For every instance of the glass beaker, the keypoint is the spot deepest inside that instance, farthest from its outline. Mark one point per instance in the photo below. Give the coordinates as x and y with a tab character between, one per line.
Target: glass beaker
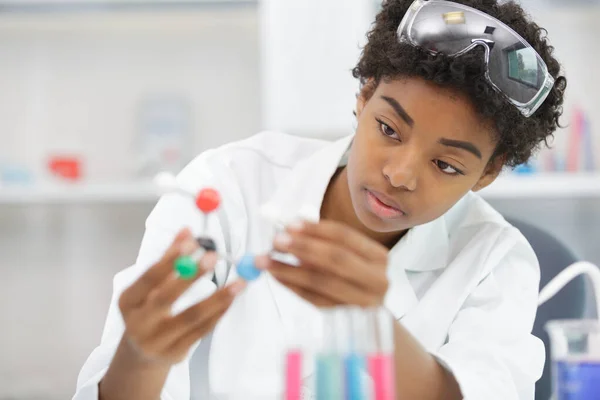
575	349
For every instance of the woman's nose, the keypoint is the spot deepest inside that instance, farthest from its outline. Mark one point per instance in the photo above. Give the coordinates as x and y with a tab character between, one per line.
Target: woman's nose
402	172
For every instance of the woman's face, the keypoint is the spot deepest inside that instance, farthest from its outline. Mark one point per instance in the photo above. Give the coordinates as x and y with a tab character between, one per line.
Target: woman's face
417	150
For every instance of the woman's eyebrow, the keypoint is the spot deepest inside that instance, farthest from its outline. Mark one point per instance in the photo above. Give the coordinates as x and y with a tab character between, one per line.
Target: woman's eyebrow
399	110
459	144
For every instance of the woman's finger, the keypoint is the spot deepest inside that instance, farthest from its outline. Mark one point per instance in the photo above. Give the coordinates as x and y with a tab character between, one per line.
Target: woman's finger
198	314
136	294
332	258
184	343
322	284
173	329
173	345
313	298
157	308
344	236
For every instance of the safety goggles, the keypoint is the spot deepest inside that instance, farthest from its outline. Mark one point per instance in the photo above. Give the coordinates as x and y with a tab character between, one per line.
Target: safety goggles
514	68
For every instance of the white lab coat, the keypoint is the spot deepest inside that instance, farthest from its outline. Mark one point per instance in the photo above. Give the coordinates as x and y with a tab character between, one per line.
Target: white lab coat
465	285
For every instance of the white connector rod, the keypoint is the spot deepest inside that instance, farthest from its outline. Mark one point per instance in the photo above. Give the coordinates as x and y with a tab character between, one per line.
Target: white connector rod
166	182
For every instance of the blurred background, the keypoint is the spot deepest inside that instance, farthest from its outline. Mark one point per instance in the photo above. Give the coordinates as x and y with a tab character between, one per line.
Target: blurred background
97	96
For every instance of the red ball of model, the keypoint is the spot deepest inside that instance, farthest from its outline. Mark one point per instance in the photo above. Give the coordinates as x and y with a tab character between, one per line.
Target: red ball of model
208	200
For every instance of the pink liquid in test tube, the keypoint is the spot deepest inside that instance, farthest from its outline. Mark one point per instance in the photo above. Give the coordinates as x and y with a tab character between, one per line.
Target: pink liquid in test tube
293	375
381	357
381	369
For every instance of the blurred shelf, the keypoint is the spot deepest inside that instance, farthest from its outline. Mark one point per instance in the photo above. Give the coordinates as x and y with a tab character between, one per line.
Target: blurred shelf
75	6
563	186
134	192
105	18
550	185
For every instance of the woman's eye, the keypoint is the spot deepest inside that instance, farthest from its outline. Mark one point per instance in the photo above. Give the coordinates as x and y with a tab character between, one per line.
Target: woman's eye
386	130
447	168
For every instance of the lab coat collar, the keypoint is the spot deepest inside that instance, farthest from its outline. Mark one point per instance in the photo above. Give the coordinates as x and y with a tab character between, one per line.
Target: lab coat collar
423	248
301	194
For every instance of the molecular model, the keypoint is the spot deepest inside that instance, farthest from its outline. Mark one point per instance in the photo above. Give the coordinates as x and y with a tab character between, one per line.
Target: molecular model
207	200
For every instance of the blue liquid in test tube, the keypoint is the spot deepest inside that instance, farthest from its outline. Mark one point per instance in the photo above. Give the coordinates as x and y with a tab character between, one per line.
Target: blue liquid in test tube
577	380
355	361
355	367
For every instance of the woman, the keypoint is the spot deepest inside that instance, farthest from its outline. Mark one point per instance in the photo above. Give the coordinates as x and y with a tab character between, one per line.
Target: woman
449	96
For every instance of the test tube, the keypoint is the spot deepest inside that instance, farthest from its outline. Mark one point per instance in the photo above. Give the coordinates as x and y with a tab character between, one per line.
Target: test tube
355	364
293	374
381	360
329	360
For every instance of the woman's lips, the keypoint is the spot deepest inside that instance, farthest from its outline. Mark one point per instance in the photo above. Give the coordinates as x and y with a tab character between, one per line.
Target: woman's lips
382	206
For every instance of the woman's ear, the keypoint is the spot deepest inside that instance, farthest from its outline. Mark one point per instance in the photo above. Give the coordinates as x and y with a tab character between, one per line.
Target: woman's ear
492	171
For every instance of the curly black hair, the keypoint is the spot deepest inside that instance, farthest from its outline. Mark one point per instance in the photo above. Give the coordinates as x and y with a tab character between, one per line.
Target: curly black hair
385	57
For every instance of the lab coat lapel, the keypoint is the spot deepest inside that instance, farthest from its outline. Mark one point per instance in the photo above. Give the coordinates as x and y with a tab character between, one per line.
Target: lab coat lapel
400	297
423	248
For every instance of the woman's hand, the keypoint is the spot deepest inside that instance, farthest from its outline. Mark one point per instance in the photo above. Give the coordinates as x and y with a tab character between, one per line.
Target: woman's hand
338	265
154	338
150	328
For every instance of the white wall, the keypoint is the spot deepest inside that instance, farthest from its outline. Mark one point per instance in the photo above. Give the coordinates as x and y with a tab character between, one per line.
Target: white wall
57	265
75	81
309	48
